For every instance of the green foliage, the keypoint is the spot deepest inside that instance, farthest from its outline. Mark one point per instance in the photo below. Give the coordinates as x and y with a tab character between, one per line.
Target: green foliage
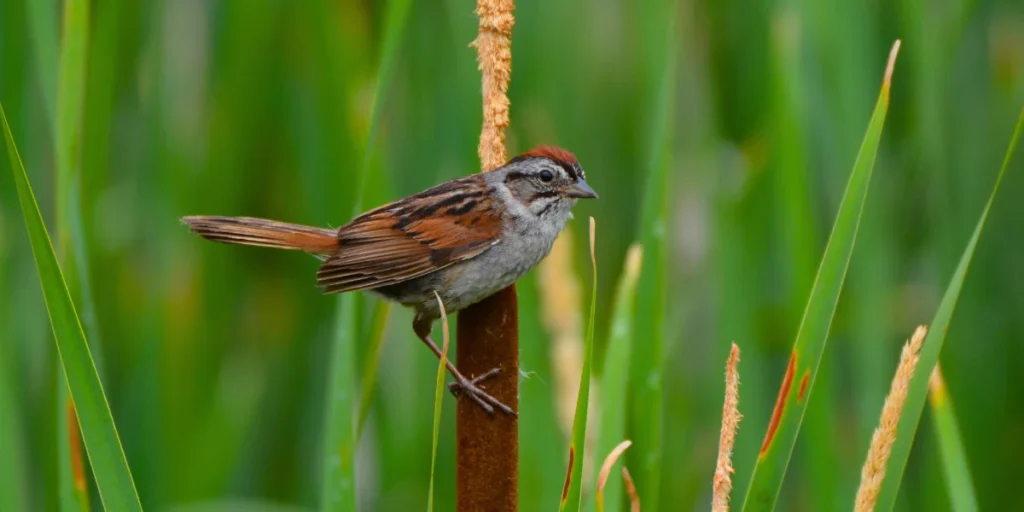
43	20
572	494
110	469
615	373
344	418
439	387
371	361
798	382
951	446
13	490
918	390
339	473
730	147
74	492
646	374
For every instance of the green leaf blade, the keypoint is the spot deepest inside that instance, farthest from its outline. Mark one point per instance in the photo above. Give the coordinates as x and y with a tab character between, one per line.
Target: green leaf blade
572	492
371	362
646	374
74	492
42	17
918	391
110	468
13	488
339	489
798	382
951	446
344	411
615	377
439	386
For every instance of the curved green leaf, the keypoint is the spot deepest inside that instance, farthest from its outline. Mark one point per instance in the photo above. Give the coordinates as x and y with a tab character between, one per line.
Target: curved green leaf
951	446
74	491
572	491
647	361
438	399
110	468
615	377
918	391
798	381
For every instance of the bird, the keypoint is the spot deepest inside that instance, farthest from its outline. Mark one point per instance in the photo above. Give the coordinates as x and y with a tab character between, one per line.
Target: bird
463	240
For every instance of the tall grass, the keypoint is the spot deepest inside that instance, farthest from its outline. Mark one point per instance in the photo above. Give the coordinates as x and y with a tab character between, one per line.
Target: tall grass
951	444
343	410
647	360
799	380
215	360
13	488
572	492
110	469
615	372
74	491
439	388
918	390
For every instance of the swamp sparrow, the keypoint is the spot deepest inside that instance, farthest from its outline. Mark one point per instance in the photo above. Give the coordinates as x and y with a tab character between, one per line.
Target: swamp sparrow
464	239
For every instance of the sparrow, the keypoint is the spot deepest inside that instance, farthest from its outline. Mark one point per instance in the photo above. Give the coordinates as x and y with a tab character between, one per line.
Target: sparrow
464	240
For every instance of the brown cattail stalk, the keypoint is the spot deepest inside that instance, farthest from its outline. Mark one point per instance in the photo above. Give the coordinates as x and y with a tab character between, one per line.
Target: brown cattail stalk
487	457
873	473
731	417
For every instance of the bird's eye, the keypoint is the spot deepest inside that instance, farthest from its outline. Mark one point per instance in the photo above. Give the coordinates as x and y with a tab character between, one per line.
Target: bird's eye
546	176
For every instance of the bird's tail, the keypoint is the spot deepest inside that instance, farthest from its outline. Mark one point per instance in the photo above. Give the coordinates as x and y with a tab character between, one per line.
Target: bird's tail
264	233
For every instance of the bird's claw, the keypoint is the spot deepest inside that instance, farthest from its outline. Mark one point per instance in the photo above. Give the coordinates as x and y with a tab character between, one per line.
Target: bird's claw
470	388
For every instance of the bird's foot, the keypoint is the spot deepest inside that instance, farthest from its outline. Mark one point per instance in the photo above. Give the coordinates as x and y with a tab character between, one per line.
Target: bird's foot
470	388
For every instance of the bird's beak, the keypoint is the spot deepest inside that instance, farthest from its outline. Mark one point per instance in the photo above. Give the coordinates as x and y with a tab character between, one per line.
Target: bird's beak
580	190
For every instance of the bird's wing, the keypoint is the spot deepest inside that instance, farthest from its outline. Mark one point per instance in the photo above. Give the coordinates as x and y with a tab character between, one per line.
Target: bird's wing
414	236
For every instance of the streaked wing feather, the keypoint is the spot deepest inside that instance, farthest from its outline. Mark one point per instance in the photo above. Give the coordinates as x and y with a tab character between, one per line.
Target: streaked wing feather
412	237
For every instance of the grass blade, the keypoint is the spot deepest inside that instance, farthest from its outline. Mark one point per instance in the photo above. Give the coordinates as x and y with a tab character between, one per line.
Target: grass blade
43	22
74	492
110	468
371	362
647	361
813	333
13	488
606	468
338	492
439	386
951	446
933	345
571	492
615	378
75	483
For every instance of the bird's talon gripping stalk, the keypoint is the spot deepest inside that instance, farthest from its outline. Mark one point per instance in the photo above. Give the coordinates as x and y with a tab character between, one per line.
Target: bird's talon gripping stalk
462	384
481	397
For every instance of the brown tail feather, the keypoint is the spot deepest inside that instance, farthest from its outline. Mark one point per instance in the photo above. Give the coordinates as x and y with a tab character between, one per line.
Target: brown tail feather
264	233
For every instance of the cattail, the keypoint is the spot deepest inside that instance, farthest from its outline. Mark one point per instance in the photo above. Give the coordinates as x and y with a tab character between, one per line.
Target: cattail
873	473
722	484
487	454
494	55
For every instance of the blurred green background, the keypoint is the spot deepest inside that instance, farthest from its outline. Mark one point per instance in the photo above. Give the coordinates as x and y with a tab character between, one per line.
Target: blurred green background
214	357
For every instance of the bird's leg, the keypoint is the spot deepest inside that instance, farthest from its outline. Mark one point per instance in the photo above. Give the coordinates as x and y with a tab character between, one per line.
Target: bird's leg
462	384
